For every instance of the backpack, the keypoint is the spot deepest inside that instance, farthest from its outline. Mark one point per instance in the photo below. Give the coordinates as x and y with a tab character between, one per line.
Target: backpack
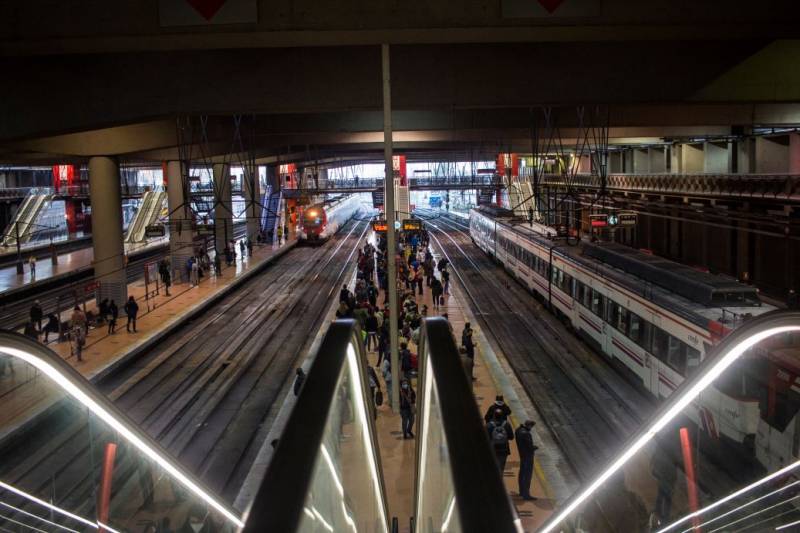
499	437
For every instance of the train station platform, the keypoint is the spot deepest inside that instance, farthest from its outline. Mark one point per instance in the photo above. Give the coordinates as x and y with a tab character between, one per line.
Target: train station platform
398	455
158	316
67	263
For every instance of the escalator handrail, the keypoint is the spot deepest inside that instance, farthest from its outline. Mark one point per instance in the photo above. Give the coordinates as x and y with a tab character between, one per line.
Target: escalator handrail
482	501
278	504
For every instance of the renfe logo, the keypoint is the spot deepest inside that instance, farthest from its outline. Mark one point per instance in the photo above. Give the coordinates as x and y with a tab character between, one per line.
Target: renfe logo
205	12
207	8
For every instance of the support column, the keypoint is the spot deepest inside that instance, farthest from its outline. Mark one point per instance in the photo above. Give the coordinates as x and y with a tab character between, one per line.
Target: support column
109	250
391	247
746	156
223	208
641	161
181	234
252	198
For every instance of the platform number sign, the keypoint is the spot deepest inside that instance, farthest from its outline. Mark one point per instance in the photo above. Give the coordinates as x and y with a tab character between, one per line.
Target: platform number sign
599	221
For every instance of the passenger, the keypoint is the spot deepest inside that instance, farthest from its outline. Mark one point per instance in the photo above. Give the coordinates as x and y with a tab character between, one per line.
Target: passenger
37	314
442	264
408	400
51	327
31	331
344	294
103	310
446	281
467	341
32	265
500	433
386	372
343	311
78	319
436	291
374	390
418	275
300	378
195	272
405	360
526	451
499	404
371	327
243	248
113	313
131	309
250	247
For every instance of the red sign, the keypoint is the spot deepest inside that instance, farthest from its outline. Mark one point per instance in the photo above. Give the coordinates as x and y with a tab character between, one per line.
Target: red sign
92	286
598	221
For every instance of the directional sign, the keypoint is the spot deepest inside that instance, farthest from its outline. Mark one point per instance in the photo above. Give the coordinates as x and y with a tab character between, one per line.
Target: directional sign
599	221
379	226
412	224
377	198
627	218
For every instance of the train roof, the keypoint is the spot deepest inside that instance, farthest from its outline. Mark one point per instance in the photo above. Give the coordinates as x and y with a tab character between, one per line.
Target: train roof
670	285
695	285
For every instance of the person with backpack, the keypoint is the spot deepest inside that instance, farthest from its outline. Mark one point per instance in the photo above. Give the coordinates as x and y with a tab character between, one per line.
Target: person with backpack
499	403
37	314
131	309
526	448
500	434
408	400
436	291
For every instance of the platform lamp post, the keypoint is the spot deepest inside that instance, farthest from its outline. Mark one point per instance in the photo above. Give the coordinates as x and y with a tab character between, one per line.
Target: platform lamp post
389	207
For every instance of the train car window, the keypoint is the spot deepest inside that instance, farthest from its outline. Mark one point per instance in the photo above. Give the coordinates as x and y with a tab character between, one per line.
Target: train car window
676	355
598	303
636	329
622	324
580	290
692	360
613	313
587	298
660	343
566	284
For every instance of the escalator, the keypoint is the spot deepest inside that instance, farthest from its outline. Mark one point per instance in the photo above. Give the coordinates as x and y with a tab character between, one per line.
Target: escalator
148	214
24	222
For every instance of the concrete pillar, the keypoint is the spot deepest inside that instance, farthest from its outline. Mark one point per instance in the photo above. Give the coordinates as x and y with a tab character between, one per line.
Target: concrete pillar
715	160
794	153
641	161
676	159
252	198
615	162
627	161
181	219
223	208
746	156
109	250
773	154
657	160
692	158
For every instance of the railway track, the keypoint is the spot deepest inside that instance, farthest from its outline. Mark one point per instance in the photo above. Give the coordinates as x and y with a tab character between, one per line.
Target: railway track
589	406
205	393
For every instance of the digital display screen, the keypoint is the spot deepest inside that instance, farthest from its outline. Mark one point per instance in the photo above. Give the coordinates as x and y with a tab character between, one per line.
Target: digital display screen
379	226
412	225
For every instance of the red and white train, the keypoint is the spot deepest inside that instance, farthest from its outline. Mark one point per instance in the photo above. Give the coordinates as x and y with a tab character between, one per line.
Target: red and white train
659	319
321	220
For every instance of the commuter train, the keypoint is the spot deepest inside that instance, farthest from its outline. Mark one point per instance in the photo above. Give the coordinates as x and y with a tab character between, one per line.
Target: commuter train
659	319
321	220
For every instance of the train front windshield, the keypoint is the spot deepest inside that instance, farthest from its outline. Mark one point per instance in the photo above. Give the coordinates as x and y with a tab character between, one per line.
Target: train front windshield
313	218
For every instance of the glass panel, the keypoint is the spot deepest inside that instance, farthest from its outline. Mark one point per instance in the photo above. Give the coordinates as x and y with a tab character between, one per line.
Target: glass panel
436	502
722	456
345	493
71	462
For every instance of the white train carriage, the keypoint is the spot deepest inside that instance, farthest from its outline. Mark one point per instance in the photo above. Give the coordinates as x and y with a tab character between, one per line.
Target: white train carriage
656	317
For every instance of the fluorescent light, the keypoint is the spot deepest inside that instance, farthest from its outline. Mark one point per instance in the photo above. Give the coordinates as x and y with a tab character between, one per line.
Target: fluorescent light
784	526
128	433
764	510
686	398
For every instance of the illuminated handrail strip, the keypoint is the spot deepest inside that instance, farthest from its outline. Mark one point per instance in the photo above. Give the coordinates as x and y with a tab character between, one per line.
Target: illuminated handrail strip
731	348
76	386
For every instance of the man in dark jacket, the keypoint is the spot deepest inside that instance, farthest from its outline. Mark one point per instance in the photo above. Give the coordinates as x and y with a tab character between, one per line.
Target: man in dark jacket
526	451
36	315
344	294
500	433
131	309
499	403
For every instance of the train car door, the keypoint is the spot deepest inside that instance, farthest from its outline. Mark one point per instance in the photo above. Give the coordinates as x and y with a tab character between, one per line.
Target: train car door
652	365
